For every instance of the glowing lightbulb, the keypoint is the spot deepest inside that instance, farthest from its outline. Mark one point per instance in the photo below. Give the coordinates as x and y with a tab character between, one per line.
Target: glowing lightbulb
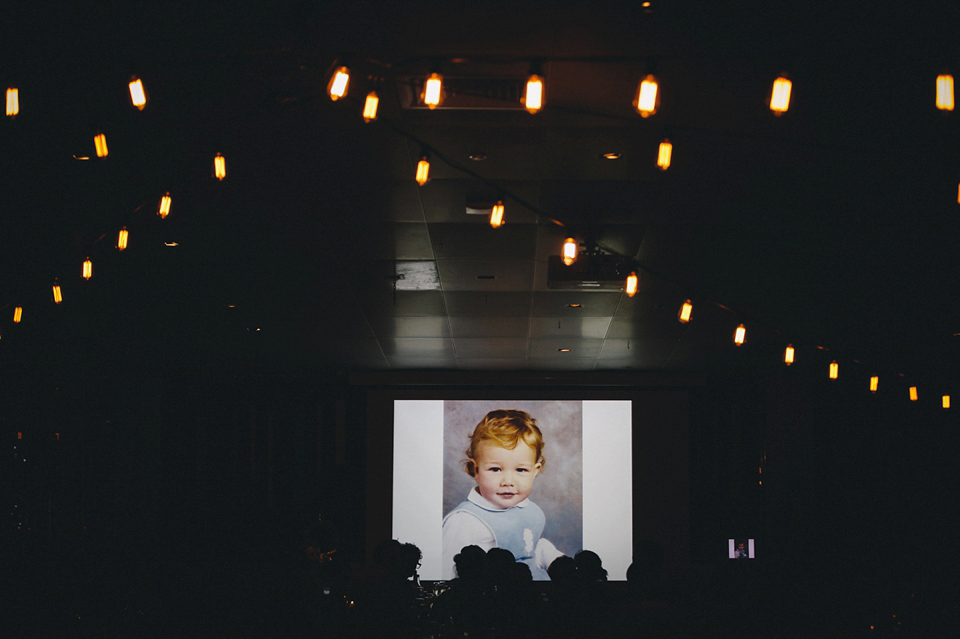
423	171
496	215
163	210
631	288
87	269
100	142
219	167
780	95
648	97
686	312
138	96
569	251
788	354
945	92
740	335
834	370
664	153
337	87
370	105
13	101
433	90
533	94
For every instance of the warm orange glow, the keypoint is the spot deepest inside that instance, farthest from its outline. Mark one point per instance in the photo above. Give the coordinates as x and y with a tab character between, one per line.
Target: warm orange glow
433	90
100	142
19	434
740	335
945	92
163	210
370	106
423	171
631	288
122	238
57	295
834	370
945	401
788	354
780	96
648	97
337	87
533	94
914	394
219	167
663	155
87	269
496	215
686	312
874	384
13	101
569	251
17	314
137	95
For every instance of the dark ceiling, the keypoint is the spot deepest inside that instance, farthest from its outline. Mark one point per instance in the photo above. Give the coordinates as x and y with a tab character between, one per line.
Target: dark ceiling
833	226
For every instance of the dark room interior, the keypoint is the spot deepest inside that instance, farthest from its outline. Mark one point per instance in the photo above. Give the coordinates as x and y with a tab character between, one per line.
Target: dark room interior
187	415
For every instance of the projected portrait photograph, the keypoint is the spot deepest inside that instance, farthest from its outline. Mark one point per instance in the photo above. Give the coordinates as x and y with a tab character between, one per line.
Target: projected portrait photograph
513	479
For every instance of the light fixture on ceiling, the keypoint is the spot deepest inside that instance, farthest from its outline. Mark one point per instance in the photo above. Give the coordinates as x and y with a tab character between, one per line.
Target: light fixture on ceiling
423	170
914	394
138	96
834	370
57	294
740	335
496	215
780	95
100	143
337	87
17	314
788	354
574	305
631	287
432	94
219	167
569	252
945	401
648	96
163	209
122	237
87	269
563	350
664	154
686	312
370	105
874	383
945	92
13	101
533	91
611	155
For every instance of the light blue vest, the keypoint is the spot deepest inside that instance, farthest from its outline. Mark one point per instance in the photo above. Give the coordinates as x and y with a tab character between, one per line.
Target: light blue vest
515	529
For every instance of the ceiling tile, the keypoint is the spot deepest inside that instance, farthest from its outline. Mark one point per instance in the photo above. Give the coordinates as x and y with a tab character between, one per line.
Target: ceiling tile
550	348
401	303
497	347
556	303
486	275
488	303
390	327
417	347
490	326
511	242
576	327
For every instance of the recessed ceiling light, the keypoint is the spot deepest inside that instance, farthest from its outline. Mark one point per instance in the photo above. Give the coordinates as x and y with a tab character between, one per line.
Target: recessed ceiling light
564	350
611	155
171	244
477	157
575	305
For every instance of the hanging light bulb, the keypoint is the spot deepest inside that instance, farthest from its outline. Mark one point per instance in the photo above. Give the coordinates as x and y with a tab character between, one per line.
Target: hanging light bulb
13	101
686	312
370	105
423	171
496	215
433	91
17	314
780	95
664	153
648	97
945	92
569	251
631	288
87	269
945	401
874	384
834	370
163	209
740	335
533	94
914	394
122	238
100	142
138	97
337	87
219	167
57	295
788	354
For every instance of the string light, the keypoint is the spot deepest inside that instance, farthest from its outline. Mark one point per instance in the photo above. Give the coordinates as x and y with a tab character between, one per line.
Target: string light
57	295
496	215
788	354
945	92
370	105
17	314
569	251
87	269
914	394
337	87
874	384
648	97
433	90
138	97
163	209
13	101
219	167
834	370
945	401
740	335
533	94
663	154
780	95
686	312
423	171
122	238
631	288
100	142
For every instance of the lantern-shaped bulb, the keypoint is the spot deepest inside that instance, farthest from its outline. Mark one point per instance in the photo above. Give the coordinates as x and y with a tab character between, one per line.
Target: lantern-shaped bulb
122	238
780	95
57	294
664	154
100	143
370	105
219	167
13	101
569	251
496	215
631	287
914	394
163	209
433	90
945	92
788	354
87	269
686	312
648	97
423	171
17	314
740	335
874	383
834	370
533	94
337	87
945	401
138	96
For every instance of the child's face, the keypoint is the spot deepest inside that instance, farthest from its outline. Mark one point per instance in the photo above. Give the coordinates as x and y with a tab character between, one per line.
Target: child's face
505	475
